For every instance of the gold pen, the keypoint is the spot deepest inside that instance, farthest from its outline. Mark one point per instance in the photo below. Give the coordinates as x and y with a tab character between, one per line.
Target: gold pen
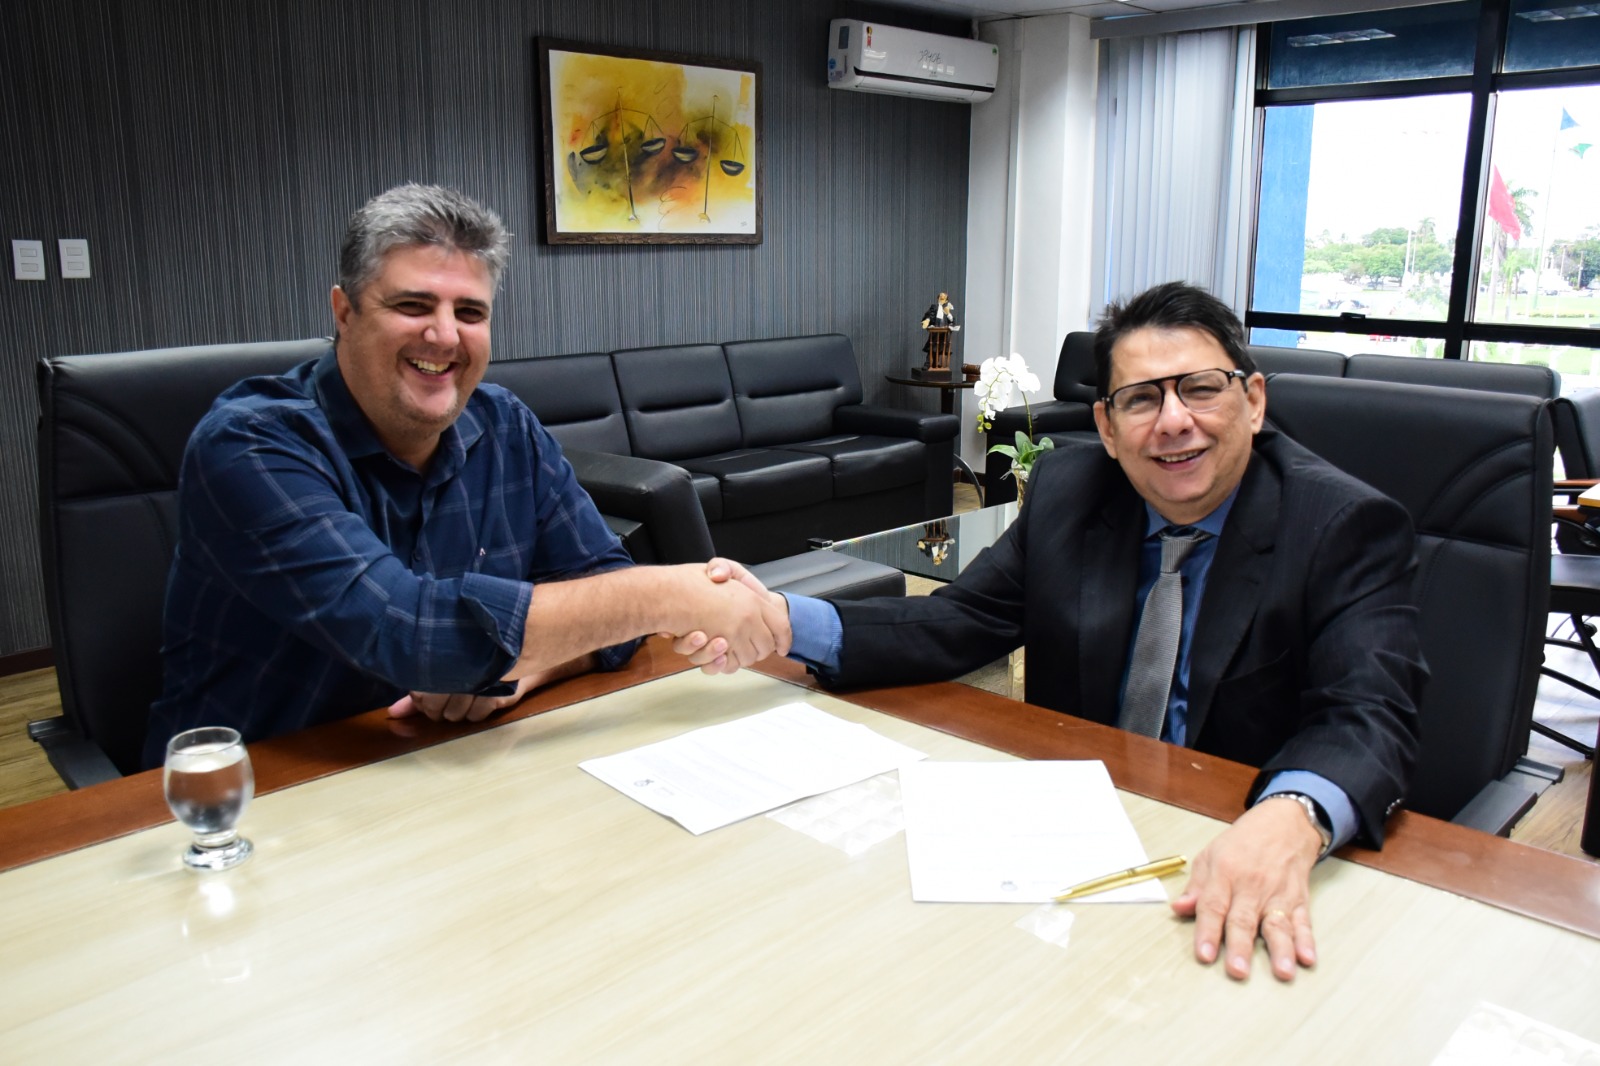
1132	875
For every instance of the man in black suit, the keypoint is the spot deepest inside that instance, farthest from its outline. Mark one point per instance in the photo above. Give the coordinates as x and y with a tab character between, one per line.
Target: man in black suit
1298	648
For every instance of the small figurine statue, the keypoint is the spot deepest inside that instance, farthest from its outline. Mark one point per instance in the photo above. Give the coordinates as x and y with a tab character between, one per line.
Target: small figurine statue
940	313
935	541
939	320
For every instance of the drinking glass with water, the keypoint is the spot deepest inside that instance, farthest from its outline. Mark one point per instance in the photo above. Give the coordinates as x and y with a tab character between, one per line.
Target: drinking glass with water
209	782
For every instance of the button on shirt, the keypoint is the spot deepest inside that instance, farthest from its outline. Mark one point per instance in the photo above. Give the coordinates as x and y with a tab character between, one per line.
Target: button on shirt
316	576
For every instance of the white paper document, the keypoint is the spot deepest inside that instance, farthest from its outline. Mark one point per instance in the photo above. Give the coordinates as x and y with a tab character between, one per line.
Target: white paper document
712	777
1017	832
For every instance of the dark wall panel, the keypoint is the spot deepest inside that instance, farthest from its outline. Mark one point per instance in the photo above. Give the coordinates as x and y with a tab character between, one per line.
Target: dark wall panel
211	152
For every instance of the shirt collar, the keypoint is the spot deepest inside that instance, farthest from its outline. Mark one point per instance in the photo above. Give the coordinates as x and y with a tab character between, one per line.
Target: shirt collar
354	433
1211	523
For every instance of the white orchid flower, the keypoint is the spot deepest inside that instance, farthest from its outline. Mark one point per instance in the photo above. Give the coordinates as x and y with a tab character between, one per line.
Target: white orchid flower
994	387
997	377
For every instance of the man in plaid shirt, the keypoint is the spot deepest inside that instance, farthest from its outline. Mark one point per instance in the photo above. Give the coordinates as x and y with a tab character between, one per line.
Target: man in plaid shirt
376	527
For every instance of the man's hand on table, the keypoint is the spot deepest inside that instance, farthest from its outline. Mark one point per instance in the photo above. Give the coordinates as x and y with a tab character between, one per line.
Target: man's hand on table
465	707
717	654
1255	876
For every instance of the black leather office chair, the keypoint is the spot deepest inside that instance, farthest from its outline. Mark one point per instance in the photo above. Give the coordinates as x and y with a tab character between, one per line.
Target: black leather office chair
1577	426
1473	469
112	430
1575	571
1070	412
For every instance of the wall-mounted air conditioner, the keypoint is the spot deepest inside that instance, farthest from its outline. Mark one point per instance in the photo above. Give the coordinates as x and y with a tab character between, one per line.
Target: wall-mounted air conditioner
873	58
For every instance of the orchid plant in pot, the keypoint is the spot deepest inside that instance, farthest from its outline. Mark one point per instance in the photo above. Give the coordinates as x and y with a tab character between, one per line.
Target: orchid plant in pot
997	377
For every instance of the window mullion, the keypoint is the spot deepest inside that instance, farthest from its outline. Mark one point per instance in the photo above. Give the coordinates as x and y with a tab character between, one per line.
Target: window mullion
1475	174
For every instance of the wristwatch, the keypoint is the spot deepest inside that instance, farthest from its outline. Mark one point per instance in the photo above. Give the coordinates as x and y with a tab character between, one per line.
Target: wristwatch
1319	821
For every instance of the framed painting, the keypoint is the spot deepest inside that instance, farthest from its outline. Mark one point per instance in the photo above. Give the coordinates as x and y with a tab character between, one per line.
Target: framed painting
649	147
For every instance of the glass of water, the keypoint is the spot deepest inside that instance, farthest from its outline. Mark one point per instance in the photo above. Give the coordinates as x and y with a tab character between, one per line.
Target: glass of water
209	783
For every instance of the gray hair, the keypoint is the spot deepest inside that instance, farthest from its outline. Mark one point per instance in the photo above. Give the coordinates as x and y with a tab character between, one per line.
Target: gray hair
412	214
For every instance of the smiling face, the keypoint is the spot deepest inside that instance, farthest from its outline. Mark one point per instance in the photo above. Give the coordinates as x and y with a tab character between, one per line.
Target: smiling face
1184	464
416	346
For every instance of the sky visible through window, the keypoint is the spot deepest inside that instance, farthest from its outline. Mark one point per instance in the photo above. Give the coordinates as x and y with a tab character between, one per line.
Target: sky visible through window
1382	187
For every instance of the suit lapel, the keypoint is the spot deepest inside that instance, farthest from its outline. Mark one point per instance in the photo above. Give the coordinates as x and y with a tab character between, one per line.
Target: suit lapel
1233	587
1105	607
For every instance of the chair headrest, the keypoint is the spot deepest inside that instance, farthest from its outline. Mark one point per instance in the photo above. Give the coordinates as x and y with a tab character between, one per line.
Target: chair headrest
119	422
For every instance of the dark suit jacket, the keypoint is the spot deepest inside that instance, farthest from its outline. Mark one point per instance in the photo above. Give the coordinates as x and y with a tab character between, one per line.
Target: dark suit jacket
1305	652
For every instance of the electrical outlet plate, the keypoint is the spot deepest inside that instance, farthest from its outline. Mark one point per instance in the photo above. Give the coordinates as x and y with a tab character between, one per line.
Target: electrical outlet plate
74	257
27	260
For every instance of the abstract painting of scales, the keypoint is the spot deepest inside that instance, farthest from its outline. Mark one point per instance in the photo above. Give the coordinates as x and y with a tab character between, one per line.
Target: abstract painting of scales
647	148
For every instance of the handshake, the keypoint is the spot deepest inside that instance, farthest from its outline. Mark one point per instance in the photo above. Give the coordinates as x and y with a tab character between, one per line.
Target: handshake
737	622
716	613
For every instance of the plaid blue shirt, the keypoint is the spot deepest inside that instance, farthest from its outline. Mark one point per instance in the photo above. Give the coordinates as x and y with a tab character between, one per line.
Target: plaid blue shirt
316	576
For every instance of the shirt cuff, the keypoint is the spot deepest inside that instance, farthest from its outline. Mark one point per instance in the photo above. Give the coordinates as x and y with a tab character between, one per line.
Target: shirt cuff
1329	796
500	606
617	655
817	633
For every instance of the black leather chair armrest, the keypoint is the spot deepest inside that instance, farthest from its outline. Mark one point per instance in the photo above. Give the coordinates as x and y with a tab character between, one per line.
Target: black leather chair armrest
1052	416
894	422
78	762
659	495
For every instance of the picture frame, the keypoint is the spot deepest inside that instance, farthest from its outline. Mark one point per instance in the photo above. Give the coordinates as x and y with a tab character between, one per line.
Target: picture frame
644	147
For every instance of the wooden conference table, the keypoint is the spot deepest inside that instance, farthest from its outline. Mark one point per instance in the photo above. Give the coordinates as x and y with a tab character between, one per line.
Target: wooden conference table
482	898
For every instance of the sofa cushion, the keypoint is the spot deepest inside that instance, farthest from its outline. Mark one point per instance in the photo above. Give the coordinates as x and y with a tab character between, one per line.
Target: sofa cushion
863	464
763	480
1522	379
678	402
831	574
787	389
709	491
575	397
1271	359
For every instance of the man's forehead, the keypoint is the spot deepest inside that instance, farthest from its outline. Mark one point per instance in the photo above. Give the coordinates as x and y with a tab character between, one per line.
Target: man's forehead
1145	353
414	270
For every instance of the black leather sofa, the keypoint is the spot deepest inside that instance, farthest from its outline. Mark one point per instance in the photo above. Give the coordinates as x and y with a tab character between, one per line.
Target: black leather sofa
772	435
1071	411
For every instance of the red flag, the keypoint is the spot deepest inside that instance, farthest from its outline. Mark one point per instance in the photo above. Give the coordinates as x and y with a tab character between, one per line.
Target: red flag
1501	208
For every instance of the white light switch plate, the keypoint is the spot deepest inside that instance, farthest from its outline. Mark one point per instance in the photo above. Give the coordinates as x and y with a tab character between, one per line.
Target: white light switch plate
74	257
27	258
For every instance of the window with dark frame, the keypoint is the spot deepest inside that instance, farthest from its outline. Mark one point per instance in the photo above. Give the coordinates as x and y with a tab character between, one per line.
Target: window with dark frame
1427	185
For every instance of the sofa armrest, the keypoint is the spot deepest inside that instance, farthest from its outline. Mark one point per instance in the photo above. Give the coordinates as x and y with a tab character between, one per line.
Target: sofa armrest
894	422
1052	416
659	495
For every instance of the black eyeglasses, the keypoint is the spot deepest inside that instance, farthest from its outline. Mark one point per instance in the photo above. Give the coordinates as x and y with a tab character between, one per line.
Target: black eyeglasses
1200	391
